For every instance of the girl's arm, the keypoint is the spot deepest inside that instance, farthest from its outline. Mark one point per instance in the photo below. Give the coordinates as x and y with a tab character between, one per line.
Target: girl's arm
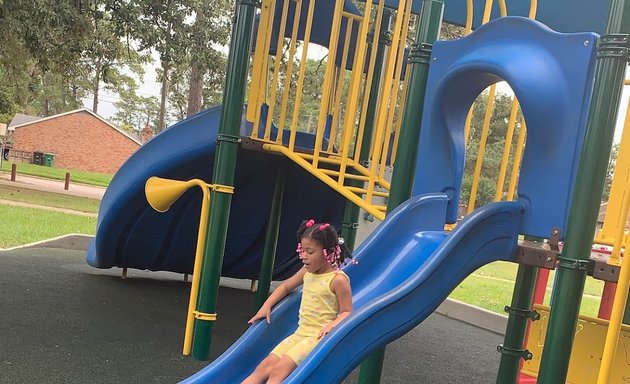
278	294
341	288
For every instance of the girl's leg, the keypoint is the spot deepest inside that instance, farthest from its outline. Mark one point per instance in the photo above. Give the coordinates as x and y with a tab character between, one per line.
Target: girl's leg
262	371
281	370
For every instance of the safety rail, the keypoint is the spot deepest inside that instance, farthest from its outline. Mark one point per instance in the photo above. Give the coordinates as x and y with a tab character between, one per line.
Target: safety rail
342	137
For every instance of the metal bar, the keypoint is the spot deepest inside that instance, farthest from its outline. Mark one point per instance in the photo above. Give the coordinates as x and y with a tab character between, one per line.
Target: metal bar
352	16
325	179
518	157
401	110
506	150
255	91
363	191
276	72
517	324
331	172
336	113
224	169
265	26
385	95
482	149
328	80
289	73
300	85
271	242
372	82
394	97
199	255
614	221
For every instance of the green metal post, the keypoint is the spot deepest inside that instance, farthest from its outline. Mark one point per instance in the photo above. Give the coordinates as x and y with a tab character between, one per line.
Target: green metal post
519	312
224	168
351	214
612	60
409	139
271	242
408	142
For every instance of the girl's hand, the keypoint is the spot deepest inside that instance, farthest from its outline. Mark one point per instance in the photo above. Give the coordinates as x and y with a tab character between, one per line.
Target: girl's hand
263	313
326	330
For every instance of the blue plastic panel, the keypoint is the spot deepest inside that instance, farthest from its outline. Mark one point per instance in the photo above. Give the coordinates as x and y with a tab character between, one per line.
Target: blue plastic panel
131	234
552	76
561	15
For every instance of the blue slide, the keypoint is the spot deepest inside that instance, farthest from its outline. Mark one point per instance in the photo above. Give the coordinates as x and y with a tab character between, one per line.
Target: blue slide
131	234
406	268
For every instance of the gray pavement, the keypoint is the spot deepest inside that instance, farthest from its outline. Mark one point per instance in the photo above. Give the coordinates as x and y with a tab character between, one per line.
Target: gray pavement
49	185
62	321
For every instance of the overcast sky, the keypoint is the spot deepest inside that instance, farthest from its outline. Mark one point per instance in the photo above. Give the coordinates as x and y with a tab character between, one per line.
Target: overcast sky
150	87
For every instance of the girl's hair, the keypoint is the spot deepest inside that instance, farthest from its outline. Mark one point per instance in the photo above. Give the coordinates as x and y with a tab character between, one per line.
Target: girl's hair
325	235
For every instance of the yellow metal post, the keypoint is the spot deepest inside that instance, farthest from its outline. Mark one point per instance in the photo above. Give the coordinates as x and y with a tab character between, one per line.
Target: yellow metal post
328	80
368	80
301	75
385	96
518	156
506	151
289	74
276	69
614	216
482	149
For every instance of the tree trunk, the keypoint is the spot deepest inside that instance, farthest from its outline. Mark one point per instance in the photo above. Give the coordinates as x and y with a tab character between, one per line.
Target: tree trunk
197	72
195	90
95	87
162	119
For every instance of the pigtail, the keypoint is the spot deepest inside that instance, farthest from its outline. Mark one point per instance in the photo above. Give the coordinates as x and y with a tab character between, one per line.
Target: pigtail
306	224
335	250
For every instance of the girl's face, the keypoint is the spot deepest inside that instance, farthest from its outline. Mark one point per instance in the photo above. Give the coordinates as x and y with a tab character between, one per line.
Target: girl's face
313	256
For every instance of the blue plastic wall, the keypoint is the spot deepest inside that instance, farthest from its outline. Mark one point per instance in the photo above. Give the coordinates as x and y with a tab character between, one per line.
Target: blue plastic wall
551	74
131	234
561	15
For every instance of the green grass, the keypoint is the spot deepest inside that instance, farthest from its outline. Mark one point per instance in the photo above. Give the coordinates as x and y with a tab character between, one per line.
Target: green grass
26	225
49	199
491	287
91	178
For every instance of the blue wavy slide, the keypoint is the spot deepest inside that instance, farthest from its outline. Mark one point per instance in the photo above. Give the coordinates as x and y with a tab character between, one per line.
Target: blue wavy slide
406	268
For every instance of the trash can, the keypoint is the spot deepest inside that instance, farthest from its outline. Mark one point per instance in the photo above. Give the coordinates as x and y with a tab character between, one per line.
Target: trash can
38	158
49	159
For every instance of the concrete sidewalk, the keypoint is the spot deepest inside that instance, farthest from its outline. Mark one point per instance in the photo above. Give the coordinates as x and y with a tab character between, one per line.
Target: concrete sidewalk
49	185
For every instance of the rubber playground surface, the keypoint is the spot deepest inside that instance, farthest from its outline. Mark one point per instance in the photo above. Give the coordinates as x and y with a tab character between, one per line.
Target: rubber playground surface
62	321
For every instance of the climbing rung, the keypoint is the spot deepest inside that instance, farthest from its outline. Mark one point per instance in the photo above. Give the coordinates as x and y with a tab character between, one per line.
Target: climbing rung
364	191
352	176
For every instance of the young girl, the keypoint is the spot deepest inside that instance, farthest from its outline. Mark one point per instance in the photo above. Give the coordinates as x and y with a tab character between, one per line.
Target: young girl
326	300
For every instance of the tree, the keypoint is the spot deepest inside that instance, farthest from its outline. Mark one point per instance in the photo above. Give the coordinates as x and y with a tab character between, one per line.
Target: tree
610	171
494	147
134	111
207	63
41	48
107	58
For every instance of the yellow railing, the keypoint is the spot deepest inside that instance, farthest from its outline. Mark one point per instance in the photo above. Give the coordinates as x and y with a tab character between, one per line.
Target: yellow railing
332	157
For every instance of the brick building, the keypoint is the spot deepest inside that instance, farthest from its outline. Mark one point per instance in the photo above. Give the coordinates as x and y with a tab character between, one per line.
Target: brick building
79	140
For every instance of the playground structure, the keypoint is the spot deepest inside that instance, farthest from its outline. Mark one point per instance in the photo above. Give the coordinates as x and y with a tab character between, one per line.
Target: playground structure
370	119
